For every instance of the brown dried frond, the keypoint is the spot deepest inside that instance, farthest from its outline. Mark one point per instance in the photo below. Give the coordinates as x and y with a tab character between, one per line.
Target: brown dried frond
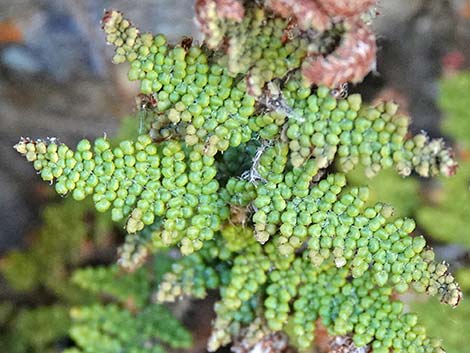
203	17
308	13
230	9
354	58
108	15
238	215
210	15
225	9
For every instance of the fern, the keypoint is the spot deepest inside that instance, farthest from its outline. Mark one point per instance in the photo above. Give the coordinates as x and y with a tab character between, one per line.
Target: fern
281	236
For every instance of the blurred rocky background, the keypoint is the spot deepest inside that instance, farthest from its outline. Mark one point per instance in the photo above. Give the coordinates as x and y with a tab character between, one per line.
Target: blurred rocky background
56	78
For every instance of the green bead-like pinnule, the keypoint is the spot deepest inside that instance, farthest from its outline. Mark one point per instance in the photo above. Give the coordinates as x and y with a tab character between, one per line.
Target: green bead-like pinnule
261	44
191	276
135	250
248	274
199	101
138	247
194	274
236	238
230	324
258	46
293	296
139	181
125	37
321	126
195	99
337	226
354	307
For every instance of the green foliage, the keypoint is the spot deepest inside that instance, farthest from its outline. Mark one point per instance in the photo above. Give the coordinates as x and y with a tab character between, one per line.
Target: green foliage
452	325
390	188
33	326
452	197
131	322
20	270
452	209
41	326
143	180
463	276
120	286
40	276
247	274
37	330
6	310
112	329
58	245
453	100
174	184
284	243
446	215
